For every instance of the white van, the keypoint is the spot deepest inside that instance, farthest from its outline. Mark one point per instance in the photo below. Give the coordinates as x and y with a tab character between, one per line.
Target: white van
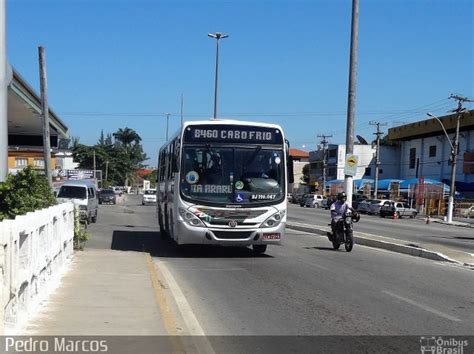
83	194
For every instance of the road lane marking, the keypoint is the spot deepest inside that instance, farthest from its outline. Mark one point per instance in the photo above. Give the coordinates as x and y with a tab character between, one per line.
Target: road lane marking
424	307
201	344
166	315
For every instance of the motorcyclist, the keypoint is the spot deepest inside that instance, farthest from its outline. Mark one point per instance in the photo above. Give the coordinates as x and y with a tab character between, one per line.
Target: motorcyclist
338	210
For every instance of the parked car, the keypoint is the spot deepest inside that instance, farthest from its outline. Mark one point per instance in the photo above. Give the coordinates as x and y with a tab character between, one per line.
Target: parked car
118	191
356	199
469	212
314	201
83	194
302	200
376	204
364	206
400	209
107	196
149	196
297	198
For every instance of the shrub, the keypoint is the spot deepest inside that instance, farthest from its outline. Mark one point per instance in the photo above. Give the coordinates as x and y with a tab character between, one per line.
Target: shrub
24	192
80	235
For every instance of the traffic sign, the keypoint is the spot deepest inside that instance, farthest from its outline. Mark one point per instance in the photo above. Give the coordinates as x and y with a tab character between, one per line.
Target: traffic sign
350	167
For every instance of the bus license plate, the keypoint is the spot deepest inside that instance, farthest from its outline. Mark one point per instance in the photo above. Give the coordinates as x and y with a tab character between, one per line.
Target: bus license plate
273	236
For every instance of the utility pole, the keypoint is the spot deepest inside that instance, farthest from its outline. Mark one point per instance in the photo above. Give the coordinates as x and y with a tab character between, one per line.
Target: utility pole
45	115
93	165
3	94
106	170
324	142
167	124
454	154
377	155
348	180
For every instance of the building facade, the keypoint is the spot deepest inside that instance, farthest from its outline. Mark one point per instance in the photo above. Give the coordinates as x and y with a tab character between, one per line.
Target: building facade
389	167
425	151
300	159
25	128
336	158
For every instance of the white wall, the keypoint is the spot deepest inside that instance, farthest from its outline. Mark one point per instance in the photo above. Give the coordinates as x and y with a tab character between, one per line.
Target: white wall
365	154
389	163
436	167
33	251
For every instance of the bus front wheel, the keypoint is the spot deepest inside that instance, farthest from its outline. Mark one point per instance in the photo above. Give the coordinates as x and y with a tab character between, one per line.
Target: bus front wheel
259	249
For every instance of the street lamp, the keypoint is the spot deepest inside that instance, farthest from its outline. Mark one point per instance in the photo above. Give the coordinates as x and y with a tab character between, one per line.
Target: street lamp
454	155
217	36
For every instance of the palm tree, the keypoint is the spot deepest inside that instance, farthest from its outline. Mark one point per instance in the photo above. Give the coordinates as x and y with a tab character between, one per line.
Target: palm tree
127	136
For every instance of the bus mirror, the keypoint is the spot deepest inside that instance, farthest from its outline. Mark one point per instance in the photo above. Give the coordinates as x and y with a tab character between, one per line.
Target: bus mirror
291	177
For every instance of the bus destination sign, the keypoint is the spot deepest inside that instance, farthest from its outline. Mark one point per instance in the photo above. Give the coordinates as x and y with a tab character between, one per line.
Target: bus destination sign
232	134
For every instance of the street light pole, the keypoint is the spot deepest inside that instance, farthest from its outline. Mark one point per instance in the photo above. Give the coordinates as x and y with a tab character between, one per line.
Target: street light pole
217	36
454	156
3	94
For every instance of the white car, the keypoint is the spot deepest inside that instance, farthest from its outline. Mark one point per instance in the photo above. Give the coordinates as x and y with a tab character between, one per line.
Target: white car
149	196
469	212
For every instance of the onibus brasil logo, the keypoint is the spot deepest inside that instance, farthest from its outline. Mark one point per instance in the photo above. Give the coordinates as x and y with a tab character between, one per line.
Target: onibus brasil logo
440	345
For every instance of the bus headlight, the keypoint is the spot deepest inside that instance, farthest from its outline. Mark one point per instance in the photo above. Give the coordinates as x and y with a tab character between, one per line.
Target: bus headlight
274	220
190	218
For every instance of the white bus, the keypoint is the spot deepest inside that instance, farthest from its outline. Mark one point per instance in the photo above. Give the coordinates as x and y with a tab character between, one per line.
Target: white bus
224	182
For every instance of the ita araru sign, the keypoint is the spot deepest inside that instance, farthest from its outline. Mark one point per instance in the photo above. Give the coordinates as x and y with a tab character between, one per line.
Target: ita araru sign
350	167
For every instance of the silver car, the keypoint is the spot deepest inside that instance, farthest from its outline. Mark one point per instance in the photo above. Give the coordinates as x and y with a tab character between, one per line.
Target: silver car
397	209
376	204
314	201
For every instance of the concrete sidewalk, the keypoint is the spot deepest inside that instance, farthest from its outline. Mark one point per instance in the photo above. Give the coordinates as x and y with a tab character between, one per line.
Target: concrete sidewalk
420	249
104	292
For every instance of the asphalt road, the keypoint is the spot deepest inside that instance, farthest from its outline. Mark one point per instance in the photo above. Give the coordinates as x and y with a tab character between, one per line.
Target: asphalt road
413	230
302	287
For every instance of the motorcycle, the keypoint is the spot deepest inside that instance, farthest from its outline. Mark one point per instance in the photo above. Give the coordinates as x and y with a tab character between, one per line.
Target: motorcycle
343	231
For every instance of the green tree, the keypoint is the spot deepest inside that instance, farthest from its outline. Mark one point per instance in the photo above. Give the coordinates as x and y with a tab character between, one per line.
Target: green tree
123	157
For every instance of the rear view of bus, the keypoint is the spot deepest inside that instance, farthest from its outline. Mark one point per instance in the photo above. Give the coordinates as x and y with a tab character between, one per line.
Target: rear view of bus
228	185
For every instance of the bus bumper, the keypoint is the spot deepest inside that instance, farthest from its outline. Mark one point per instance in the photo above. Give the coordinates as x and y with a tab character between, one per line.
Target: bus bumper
233	237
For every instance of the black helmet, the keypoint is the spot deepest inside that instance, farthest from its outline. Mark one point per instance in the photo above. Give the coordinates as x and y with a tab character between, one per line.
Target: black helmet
342	196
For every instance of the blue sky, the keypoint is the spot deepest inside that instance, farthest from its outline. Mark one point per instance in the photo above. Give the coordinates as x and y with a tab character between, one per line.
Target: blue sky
119	63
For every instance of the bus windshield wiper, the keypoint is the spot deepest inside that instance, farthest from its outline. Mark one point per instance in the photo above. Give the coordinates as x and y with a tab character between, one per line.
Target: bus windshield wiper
254	155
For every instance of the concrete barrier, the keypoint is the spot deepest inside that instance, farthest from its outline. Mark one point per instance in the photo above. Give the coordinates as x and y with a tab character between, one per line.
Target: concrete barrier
34	249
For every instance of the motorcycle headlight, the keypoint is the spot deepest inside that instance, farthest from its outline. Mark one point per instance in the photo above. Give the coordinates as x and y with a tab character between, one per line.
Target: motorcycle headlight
348	219
274	220
190	218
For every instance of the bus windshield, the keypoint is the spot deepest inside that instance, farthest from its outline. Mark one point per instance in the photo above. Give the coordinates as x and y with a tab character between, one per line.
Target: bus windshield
228	175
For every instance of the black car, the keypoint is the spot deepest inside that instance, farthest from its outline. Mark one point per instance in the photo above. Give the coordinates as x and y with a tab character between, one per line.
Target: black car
107	196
